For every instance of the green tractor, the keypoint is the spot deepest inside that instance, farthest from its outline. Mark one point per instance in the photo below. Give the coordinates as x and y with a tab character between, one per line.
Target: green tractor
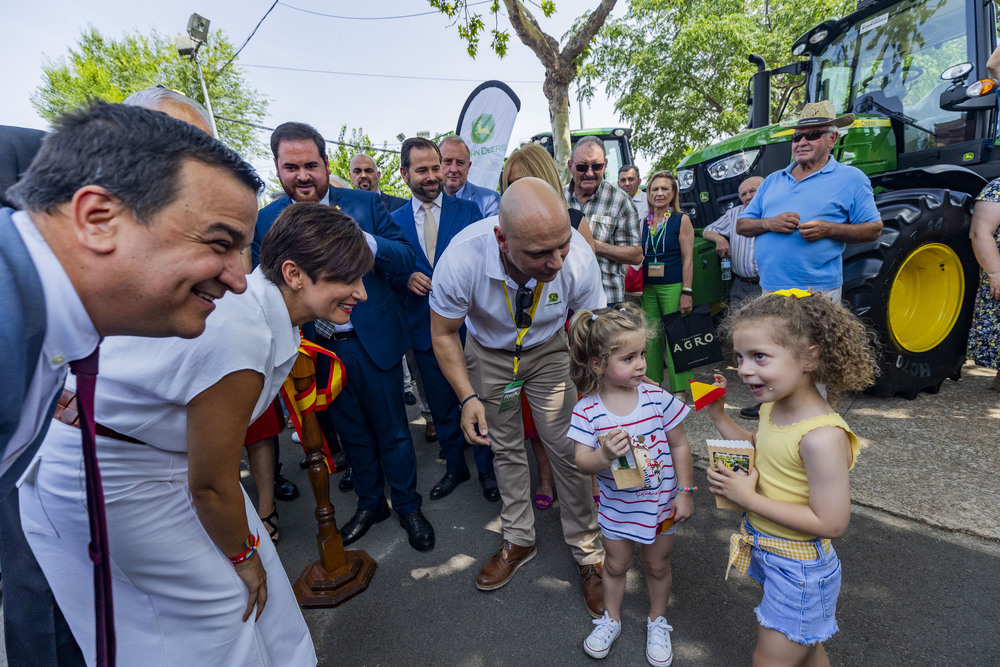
707	284
913	72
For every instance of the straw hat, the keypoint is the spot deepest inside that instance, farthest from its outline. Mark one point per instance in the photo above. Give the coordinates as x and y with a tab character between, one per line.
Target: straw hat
819	114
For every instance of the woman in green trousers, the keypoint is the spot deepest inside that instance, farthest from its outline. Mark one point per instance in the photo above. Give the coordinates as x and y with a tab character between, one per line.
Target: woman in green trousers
667	270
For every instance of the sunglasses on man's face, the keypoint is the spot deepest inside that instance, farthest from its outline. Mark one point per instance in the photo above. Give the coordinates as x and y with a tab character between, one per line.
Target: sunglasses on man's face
811	135
584	167
523	300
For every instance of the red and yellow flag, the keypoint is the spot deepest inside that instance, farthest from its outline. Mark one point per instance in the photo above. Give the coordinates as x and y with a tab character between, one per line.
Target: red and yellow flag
705	394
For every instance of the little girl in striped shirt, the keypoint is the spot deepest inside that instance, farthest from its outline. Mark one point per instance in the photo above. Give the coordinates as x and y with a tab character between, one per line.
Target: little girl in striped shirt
622	416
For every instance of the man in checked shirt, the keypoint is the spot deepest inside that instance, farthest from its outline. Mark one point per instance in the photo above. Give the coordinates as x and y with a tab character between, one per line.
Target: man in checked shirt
613	218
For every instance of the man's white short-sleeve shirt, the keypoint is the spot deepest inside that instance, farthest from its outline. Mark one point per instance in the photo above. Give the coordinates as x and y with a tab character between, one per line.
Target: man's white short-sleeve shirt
468	282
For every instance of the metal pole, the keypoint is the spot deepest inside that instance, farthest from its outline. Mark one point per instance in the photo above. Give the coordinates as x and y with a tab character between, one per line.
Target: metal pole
579	101
204	91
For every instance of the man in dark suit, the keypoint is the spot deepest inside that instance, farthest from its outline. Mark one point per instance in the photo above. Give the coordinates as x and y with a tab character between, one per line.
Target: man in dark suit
365	175
369	413
429	222
137	239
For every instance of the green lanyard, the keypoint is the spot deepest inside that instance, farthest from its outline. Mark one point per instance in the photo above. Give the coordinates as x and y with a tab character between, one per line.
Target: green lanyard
659	235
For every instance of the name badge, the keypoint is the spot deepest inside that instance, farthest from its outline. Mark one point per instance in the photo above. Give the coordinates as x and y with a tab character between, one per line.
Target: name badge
655	269
511	396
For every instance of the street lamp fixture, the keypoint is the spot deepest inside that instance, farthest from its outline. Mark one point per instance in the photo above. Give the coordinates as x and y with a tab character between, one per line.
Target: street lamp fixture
188	45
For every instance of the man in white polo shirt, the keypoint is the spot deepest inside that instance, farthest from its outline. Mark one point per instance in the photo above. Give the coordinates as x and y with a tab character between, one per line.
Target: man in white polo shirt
512	281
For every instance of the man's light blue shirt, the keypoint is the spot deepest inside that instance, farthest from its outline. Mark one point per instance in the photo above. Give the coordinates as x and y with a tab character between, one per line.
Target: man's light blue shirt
836	193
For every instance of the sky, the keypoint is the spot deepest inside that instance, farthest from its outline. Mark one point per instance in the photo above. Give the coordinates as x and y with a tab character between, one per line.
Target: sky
418	46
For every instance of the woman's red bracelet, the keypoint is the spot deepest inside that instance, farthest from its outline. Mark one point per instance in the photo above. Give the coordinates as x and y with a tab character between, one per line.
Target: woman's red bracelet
251	544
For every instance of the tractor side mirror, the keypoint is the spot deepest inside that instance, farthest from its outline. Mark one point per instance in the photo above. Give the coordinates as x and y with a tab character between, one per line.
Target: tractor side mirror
957	72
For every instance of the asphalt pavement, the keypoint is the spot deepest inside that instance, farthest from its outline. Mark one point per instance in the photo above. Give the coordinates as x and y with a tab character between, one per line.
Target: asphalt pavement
921	558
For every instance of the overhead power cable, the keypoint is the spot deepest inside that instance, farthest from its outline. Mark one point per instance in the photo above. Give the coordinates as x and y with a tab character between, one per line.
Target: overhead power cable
329	141
374	18
245	42
381	76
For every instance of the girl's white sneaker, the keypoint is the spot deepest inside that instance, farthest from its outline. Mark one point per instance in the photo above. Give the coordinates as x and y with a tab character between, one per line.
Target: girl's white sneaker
659	652
602	637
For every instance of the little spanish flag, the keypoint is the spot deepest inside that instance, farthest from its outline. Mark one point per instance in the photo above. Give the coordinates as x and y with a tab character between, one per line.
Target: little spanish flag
705	394
302	403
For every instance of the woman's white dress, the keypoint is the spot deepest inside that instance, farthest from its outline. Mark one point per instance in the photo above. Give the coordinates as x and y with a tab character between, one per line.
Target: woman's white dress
177	598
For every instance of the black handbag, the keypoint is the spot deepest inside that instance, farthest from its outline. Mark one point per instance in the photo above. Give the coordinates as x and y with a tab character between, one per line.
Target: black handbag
691	340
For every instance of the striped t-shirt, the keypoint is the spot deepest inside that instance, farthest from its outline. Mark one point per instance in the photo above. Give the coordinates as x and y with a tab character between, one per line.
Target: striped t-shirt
633	514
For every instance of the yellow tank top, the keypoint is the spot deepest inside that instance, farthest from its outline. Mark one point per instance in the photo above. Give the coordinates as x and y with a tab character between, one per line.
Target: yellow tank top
782	473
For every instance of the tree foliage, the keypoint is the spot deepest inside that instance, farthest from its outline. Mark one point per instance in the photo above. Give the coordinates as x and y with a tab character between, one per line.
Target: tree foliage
561	63
679	68
103	68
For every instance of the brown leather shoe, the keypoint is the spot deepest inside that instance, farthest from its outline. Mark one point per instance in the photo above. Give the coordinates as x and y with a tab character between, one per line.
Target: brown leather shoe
430	432
593	593
501	568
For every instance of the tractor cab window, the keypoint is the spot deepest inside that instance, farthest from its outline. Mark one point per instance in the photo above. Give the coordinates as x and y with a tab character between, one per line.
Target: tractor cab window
896	59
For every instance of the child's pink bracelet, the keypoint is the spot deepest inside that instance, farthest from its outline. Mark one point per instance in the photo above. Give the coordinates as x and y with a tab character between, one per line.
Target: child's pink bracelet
687	488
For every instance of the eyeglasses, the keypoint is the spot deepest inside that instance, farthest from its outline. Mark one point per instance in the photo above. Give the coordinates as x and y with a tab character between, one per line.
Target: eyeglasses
598	167
523	300
811	135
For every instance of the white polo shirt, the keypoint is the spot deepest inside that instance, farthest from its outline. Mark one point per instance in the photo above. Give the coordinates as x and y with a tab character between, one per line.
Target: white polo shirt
468	282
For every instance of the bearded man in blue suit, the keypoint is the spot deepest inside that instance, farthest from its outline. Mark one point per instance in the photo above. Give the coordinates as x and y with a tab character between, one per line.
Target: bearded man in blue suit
369	413
429	222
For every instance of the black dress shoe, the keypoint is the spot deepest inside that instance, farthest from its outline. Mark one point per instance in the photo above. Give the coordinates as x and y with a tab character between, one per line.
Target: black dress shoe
752	412
419	531
346	482
490	489
362	521
448	484
284	489
409	398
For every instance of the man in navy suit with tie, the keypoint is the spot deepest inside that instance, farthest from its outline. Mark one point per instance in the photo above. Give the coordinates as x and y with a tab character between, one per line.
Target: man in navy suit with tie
429	222
369	413
455	163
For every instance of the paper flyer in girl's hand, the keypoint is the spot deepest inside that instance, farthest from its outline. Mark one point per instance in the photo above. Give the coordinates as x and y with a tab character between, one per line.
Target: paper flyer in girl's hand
736	455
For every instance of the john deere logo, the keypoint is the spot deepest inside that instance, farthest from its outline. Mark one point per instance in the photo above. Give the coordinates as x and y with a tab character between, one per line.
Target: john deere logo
553	297
703	196
968	156
482	129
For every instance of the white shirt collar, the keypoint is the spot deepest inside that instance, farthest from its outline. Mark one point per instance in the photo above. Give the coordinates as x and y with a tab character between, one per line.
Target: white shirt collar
418	205
70	334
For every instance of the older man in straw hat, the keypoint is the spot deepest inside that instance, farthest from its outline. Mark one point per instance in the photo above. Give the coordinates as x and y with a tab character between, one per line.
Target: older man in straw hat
805	214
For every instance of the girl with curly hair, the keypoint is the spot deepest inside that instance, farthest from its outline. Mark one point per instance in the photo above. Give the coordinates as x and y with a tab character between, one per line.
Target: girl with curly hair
797	497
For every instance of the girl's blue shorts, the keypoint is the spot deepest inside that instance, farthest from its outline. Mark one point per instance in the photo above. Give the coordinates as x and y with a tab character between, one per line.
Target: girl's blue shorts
800	596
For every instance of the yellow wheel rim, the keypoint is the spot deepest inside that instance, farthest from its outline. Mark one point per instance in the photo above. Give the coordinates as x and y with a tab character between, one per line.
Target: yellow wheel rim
926	297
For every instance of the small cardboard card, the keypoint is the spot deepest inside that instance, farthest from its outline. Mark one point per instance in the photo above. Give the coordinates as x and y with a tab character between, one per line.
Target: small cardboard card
736	455
634	469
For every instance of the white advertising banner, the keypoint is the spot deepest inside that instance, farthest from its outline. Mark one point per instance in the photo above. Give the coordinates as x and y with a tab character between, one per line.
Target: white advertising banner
486	122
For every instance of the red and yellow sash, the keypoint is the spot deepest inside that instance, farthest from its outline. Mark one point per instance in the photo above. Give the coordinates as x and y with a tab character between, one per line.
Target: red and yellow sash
302	403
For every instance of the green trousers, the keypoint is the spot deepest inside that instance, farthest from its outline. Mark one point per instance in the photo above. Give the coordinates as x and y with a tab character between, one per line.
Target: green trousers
657	301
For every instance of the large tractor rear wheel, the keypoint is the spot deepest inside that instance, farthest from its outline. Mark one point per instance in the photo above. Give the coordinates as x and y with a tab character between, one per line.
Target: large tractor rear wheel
915	286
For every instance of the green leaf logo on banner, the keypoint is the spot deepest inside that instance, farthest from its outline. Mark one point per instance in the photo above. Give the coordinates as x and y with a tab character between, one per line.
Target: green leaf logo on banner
482	129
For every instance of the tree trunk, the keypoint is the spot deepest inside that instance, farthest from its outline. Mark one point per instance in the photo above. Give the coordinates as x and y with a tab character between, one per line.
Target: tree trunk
558	98
560	67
